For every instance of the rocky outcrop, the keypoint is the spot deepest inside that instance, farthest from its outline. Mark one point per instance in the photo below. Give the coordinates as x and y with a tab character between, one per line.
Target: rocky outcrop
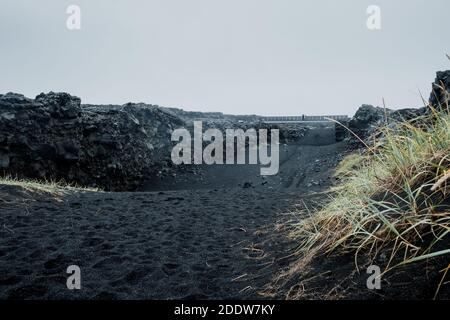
40	138
440	94
407	114
366	119
115	147
55	137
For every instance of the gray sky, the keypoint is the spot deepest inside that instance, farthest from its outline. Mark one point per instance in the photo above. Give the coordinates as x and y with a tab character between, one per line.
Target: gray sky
280	57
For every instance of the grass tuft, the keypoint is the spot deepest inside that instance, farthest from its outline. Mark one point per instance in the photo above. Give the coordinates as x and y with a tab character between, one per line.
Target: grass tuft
394	198
54	188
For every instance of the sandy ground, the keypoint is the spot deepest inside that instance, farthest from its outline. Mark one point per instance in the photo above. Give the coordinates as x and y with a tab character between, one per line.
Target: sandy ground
208	233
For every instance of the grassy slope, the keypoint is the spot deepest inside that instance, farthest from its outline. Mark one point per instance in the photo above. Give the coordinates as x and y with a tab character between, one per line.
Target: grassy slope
394	201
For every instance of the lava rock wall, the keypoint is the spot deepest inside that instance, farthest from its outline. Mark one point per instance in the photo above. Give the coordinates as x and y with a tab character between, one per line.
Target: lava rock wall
54	137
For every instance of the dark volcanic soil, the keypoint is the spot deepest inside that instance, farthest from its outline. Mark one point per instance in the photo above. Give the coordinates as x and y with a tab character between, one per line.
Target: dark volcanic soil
208	233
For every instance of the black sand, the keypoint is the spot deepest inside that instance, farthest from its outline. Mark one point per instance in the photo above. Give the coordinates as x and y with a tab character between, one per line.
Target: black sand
208	235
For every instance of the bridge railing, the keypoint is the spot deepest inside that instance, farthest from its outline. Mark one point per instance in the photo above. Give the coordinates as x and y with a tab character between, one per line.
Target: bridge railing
306	118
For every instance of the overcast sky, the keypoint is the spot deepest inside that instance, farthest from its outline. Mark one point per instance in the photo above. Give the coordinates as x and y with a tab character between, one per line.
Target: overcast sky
269	57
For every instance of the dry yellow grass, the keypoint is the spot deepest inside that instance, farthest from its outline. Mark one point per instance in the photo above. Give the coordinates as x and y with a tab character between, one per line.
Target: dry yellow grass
394	199
45	187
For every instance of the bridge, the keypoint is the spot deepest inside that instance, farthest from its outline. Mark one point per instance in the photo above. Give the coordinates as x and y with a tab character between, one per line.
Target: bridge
339	131
304	119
